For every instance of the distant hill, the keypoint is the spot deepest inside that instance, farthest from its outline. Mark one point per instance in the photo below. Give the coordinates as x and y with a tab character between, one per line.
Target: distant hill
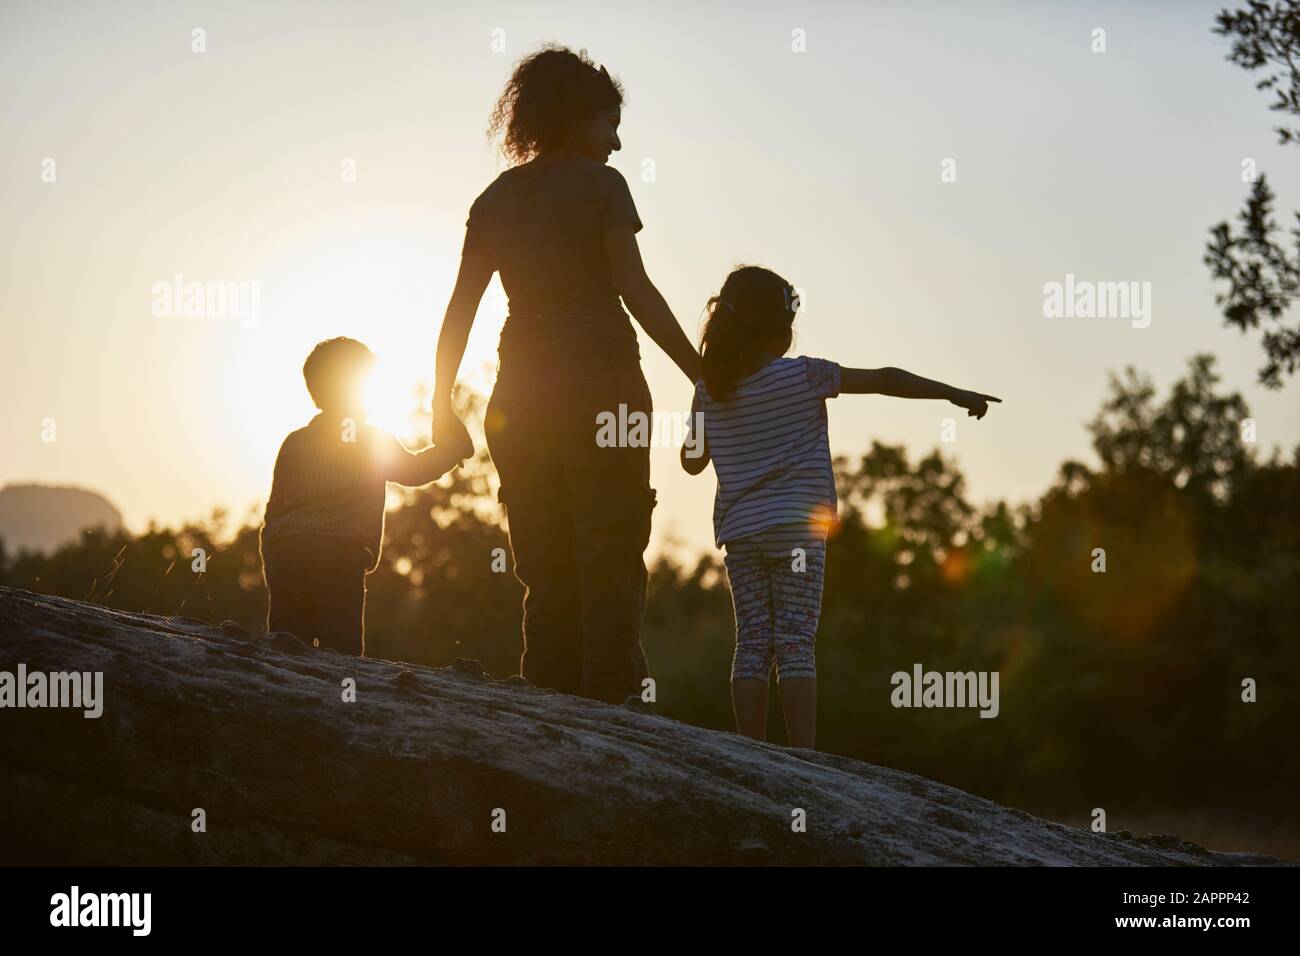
43	517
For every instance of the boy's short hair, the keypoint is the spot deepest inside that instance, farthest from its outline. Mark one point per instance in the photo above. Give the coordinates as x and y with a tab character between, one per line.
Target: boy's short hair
334	369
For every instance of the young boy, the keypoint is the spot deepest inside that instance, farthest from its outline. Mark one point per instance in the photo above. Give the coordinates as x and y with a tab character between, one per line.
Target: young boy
325	517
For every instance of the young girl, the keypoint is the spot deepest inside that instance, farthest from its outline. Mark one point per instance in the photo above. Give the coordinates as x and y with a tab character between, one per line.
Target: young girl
763	423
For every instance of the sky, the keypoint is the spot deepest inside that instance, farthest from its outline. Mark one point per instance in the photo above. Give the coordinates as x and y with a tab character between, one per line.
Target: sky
808	137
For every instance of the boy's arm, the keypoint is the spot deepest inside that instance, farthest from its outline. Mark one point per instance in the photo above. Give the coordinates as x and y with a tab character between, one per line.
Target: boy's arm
406	467
903	384
695	450
272	500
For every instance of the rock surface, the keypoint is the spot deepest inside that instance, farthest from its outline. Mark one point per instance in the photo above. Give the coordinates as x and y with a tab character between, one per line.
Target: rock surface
256	733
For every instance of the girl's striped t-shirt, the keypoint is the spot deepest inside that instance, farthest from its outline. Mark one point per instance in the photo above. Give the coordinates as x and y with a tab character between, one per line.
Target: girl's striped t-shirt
770	449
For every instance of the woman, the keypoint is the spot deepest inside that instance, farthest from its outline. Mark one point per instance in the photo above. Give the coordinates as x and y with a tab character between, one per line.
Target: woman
560	226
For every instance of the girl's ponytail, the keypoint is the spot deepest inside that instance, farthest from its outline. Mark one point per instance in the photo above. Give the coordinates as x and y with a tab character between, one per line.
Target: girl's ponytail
721	348
753	311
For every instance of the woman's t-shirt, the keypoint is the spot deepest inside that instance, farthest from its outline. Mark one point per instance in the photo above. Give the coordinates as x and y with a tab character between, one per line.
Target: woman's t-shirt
770	449
542	224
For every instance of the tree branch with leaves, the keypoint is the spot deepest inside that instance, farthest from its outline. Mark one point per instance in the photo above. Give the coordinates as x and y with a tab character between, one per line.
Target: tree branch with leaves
1263	277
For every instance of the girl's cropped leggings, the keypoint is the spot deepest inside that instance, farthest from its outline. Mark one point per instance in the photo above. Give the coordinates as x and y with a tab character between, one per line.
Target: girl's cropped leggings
776	588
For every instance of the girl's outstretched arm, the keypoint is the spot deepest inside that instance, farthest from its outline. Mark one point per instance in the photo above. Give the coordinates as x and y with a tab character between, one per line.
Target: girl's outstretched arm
903	384
475	273
645	303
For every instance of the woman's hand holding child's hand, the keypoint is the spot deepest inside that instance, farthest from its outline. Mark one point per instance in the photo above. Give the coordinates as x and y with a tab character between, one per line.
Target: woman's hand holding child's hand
976	404
450	433
460	441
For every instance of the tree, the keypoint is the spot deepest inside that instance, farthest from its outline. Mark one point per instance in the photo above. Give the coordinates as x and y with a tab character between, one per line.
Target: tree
1263	277
1194	437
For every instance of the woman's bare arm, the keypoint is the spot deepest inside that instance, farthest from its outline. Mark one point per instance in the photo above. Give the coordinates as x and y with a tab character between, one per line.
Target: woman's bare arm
471	281
645	303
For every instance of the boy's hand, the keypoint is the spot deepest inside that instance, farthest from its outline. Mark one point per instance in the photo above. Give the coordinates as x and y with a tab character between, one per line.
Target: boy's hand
976	404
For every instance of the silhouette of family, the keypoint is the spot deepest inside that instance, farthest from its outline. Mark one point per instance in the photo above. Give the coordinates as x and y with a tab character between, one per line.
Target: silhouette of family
560	226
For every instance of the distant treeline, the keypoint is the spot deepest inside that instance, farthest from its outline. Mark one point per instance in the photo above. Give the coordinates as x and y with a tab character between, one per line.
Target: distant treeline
1119	688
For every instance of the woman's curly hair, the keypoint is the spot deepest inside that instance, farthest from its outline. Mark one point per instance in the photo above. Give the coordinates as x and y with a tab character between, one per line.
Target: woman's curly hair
550	95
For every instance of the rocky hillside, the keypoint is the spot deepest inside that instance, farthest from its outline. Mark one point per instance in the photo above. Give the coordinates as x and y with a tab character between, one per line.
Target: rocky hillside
438	766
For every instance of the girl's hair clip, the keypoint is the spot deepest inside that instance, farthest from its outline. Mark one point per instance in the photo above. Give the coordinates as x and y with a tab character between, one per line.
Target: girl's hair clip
726	305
